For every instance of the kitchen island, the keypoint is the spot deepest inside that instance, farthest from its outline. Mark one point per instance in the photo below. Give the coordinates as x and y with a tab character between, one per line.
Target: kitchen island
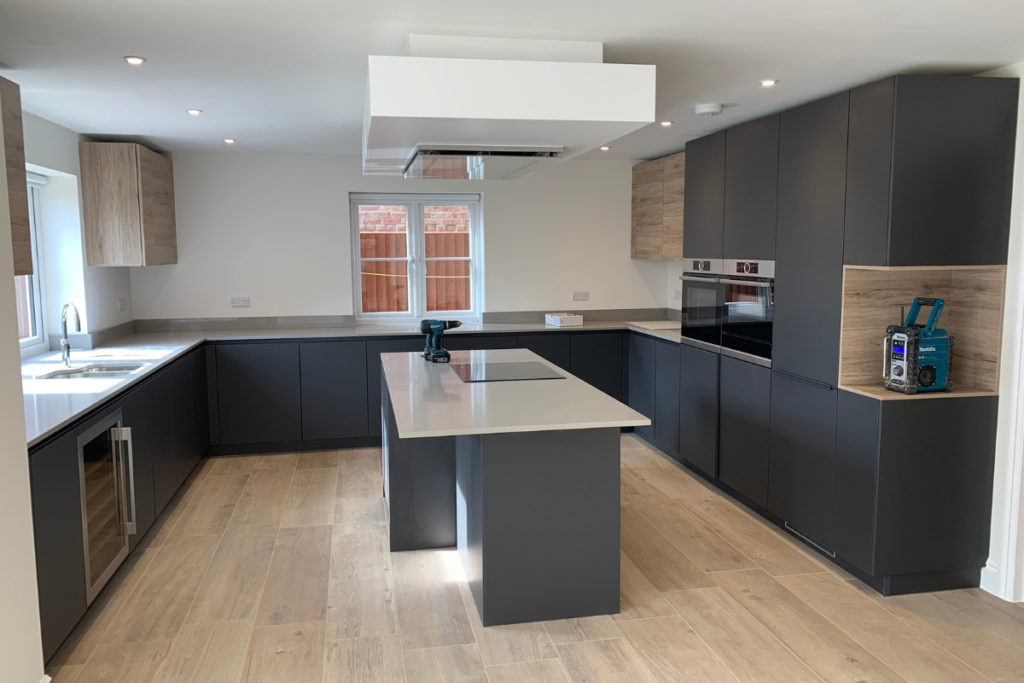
522	476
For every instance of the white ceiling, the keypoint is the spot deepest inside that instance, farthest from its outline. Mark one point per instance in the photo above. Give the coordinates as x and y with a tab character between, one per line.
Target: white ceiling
291	76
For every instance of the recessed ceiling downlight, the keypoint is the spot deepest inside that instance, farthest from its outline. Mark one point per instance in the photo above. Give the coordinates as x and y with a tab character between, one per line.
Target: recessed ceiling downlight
769	82
605	148
709	109
666	124
229	141
194	112
135	61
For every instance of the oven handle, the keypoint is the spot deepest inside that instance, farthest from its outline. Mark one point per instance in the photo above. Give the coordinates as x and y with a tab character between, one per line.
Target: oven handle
747	283
697	278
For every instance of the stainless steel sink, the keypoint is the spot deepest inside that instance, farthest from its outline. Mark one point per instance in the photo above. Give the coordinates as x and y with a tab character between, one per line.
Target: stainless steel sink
111	371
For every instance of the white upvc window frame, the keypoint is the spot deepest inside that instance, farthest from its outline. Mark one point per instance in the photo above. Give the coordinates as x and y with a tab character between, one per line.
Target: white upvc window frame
39	343
416	259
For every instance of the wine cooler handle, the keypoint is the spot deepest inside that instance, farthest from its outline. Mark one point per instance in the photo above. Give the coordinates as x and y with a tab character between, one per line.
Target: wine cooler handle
126	436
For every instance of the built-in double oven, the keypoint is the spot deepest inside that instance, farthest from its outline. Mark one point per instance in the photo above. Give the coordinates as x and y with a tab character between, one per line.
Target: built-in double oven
728	305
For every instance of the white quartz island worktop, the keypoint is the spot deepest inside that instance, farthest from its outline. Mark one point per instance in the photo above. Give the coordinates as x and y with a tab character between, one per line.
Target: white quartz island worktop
430	400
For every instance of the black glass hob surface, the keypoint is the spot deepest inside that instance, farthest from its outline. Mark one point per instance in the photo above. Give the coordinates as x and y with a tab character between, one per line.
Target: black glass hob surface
504	372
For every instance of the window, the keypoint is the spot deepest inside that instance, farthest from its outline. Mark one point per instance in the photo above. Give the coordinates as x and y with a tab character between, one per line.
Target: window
416	255
28	295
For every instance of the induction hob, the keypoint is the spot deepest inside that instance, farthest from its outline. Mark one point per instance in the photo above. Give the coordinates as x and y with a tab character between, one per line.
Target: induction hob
504	372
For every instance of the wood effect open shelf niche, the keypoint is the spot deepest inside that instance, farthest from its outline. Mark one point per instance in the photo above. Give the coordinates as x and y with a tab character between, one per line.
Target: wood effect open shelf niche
872	296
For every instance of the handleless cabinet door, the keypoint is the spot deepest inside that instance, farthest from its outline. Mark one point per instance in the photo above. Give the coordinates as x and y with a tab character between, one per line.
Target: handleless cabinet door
57	526
258	388
642	380
597	360
745	405
551	346
200	402
801	472
183	421
809	245
333	389
373	351
703	212
698	408
666	399
751	189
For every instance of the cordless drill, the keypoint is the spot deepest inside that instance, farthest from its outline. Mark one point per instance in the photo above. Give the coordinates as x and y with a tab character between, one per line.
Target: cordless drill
434	329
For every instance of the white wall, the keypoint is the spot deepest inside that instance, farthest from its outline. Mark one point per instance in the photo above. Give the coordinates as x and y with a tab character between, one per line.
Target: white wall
53	151
21	656
1004	575
275	227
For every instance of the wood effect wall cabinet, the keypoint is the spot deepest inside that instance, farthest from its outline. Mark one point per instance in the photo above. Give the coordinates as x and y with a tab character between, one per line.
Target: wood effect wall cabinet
128	204
659	188
930	171
17	187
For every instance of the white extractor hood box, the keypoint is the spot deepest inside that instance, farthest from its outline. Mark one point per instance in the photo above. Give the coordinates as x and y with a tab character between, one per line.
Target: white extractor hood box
487	103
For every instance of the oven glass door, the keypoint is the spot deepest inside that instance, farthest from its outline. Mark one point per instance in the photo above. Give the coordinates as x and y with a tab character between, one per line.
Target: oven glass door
748	312
703	299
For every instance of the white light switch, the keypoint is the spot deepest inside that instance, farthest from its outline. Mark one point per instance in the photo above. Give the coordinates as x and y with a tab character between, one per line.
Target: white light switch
581	296
239	302
679	295
120	304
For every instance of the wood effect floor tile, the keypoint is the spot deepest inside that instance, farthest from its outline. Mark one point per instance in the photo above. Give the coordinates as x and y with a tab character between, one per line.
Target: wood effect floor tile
964	638
822	646
361	594
1004	618
296	587
359	474
582	629
364	660
638	598
274	460
208	653
166	521
65	674
290	653
662	563
311	499
451	664
157	607
750	651
427	597
682	528
103	611
263	498
232	585
755	540
211	508
547	671
201	470
315	460
360	515
673	481
233	464
635	458
507	644
125	663
672	651
603	661
905	650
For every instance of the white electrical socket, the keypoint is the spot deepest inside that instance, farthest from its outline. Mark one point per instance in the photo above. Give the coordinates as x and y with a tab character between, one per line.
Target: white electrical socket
581	296
679	295
120	304
239	302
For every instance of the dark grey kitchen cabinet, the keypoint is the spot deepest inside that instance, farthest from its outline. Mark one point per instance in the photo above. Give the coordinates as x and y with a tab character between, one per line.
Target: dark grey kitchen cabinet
159	438
596	359
930	155
809	243
913	488
801	470
57	527
643	380
200	404
258	388
666	398
334	402
183	421
373	350
698	408
745	418
142	412
473	342
551	346
704	210
751	189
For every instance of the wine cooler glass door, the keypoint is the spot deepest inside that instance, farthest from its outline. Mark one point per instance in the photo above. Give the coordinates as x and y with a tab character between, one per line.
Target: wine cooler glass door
104	523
